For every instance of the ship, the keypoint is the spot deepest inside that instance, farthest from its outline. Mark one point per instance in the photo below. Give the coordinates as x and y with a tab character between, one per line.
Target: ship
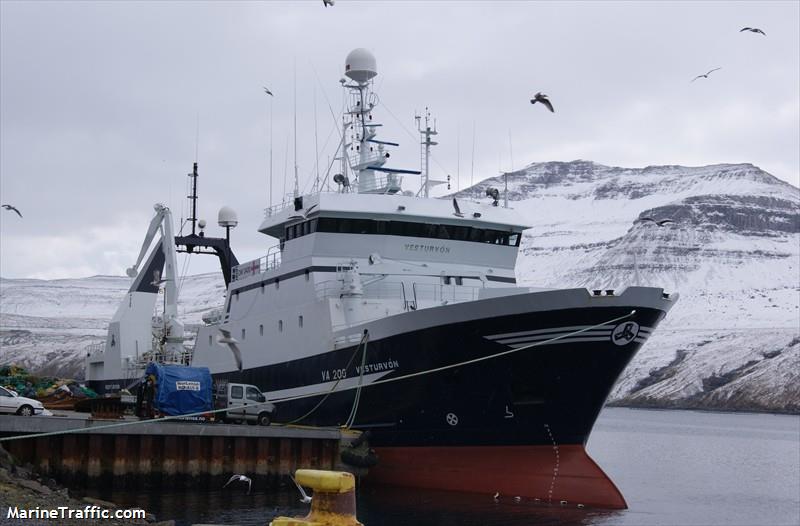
387	310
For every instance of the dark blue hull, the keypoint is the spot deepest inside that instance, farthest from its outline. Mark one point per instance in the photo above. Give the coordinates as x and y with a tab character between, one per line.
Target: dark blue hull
552	391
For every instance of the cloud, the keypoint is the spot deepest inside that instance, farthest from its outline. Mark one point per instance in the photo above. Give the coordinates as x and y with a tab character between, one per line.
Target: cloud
100	102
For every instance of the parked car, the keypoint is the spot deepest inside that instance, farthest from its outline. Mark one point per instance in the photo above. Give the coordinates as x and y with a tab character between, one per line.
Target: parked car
11	402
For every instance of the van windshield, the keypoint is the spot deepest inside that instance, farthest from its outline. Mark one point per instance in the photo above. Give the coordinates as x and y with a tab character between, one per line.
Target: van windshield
253	394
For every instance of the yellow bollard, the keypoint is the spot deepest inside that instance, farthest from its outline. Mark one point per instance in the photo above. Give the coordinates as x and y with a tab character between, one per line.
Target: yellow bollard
333	503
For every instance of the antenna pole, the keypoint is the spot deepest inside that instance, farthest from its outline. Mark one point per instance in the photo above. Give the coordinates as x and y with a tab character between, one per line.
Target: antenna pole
472	169
316	143
270	150
296	181
511	155
427	143
193	197
458	156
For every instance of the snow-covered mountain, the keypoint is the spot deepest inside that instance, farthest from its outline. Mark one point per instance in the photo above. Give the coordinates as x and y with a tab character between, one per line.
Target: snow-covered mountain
732	252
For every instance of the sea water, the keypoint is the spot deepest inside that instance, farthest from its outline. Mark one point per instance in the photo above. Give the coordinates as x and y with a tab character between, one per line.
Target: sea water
673	467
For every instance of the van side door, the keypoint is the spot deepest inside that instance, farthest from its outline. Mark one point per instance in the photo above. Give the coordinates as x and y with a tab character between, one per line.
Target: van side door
253	398
236	399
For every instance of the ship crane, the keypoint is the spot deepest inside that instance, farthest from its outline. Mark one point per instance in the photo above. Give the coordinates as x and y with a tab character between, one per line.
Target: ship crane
172	338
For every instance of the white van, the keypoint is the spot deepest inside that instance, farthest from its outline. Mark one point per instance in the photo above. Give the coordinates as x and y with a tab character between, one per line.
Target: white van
248	402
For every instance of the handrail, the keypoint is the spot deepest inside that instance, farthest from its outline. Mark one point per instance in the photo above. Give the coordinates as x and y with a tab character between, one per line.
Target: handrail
258	266
397	290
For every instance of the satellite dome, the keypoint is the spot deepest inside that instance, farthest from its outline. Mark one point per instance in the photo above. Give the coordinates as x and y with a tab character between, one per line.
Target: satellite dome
360	65
227	217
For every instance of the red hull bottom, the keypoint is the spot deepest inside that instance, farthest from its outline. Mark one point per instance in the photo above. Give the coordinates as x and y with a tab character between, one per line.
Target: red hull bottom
550	473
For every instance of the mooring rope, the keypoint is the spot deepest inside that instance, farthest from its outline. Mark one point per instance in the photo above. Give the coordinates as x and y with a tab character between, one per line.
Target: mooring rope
328	393
333	387
352	418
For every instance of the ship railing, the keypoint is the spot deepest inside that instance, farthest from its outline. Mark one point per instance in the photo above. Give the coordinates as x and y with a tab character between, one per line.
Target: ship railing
276	209
384	184
183	357
216	317
409	296
94	349
258	266
442	293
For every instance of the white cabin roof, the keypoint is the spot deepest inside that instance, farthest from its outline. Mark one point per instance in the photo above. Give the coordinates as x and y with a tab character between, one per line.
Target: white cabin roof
391	208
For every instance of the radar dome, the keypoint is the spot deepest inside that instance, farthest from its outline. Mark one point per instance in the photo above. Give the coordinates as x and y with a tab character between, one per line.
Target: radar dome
227	217
360	65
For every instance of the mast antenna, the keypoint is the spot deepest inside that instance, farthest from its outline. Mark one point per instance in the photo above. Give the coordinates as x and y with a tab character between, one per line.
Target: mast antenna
296	181
193	197
505	176
316	143
426	149
472	168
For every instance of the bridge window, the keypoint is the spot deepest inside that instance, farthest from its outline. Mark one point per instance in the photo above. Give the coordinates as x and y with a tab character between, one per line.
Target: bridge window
301	229
411	229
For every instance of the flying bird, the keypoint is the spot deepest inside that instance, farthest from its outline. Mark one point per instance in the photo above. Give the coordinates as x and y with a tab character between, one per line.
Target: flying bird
659	223
541	97
231	342
305	498
752	30
14	208
457	209
706	75
240	478
328	3
267	91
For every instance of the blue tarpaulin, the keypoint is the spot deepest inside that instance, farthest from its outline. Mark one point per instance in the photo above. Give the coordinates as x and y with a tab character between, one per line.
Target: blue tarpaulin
180	389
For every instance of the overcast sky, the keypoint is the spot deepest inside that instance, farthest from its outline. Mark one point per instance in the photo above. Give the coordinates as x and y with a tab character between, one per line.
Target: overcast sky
99	102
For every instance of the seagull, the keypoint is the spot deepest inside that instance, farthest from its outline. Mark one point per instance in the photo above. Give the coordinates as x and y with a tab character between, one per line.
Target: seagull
240	478
541	97
14	208
706	75
328	3
267	91
457	209
517	499
231	342
496	496
306	499
659	223
752	30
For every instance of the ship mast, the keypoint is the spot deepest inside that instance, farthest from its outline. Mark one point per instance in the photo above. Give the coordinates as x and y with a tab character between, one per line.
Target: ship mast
371	176
426	143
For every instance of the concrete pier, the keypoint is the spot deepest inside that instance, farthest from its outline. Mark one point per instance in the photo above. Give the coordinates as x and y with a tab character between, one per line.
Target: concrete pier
172	454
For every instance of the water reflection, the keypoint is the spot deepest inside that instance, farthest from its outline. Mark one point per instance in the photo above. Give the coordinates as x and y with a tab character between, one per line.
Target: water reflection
376	507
